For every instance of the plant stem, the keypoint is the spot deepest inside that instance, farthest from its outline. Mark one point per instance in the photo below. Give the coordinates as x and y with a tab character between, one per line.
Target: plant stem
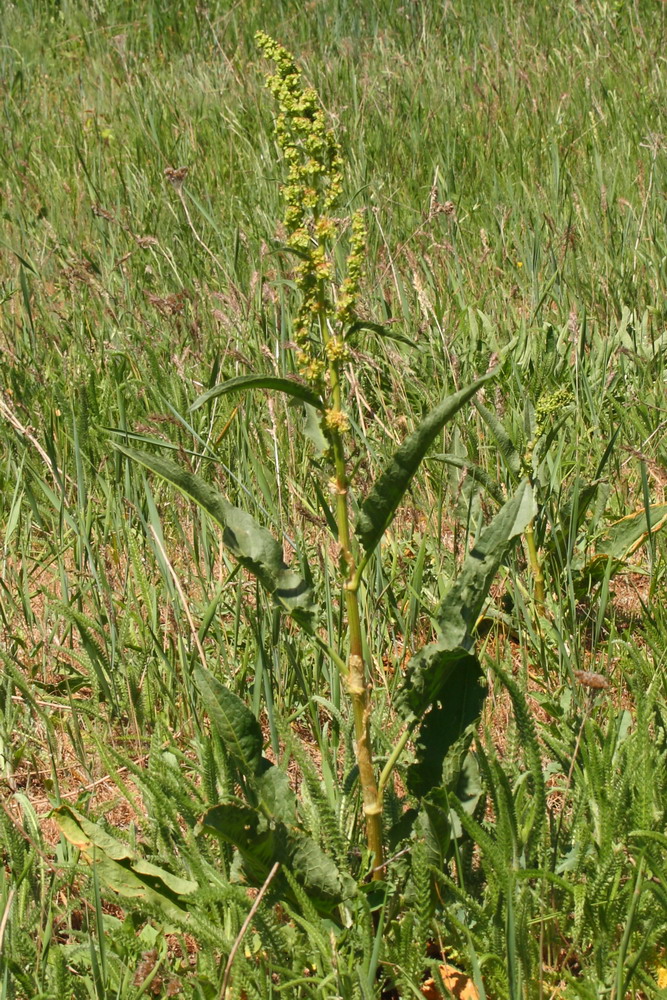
392	761
535	565
357	682
533	555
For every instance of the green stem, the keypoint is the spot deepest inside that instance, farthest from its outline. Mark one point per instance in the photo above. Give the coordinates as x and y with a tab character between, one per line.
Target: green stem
535	565
393	761
357	681
533	555
332	654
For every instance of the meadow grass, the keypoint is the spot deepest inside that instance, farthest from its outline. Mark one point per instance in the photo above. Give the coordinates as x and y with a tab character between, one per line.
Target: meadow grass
511	161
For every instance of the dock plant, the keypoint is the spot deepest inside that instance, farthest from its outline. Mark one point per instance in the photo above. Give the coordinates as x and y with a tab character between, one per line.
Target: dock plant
439	699
332	429
441	694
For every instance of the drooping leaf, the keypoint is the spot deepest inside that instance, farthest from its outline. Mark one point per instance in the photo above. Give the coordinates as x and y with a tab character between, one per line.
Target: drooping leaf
291	387
261	845
123	869
428	674
462	701
381	331
437	820
434	824
254	547
624	537
233	721
248	831
619	542
380	505
429	671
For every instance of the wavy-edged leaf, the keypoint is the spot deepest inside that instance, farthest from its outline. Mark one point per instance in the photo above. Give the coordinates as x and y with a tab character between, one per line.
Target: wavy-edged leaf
430	669
380	505
261	845
437	821
462	605
427	675
123	869
252	835
505	444
254	547
276	794
445	724
291	387
233	721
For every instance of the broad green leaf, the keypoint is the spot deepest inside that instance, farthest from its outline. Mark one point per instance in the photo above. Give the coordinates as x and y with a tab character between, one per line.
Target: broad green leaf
434	824
462	606
437	820
624	537
276	794
233	721
462	700
123	869
261	845
254	547
297	390
313	430
316	871
428	672
619	542
379	507
248	831
505	444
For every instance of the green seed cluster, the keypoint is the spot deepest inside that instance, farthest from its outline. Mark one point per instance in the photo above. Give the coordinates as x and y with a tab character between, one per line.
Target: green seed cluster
312	191
349	291
548	404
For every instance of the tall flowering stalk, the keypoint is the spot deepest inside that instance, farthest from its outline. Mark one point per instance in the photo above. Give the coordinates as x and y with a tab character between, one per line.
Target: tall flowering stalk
441	681
326	314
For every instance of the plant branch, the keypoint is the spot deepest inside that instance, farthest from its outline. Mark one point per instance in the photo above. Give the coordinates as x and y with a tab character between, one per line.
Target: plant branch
393	760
